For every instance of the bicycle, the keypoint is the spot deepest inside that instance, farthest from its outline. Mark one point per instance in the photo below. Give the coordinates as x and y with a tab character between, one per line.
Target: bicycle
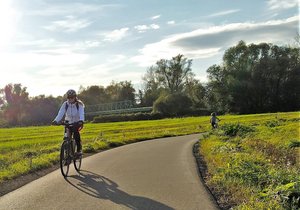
67	151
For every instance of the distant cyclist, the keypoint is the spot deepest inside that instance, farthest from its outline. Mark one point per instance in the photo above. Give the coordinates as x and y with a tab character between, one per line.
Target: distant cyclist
73	110
214	120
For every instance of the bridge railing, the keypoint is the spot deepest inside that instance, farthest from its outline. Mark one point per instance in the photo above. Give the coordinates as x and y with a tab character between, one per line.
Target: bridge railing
119	107
119	111
110	106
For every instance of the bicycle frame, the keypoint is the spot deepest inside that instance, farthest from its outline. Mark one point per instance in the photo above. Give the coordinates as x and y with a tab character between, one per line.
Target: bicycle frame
69	139
67	154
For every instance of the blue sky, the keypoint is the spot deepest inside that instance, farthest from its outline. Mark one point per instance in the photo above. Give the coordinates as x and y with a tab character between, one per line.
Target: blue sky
50	46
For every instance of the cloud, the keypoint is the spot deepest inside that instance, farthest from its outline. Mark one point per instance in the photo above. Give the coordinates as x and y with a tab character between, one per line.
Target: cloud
281	5
154	26
116	35
40	69
55	71
50	44
275	31
58	57
70	24
89	44
141	27
59	9
144	28
155	17
171	22
212	41
110	69
227	12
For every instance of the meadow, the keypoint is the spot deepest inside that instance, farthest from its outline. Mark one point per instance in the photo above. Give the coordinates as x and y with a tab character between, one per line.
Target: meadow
251	159
27	149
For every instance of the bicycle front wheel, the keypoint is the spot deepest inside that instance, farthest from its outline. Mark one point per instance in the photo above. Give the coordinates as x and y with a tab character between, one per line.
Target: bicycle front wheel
77	159
64	159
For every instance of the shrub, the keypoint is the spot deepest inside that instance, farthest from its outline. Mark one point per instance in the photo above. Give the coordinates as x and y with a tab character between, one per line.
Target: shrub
294	143
88	148
172	104
273	123
248	171
236	129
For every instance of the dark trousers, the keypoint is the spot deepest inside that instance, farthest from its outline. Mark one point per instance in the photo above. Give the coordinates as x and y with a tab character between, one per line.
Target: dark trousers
213	125
74	131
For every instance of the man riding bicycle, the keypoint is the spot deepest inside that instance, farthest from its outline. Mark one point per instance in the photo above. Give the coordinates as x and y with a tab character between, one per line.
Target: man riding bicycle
73	110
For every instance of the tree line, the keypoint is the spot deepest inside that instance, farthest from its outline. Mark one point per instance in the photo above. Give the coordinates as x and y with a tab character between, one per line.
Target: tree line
252	78
17	108
256	79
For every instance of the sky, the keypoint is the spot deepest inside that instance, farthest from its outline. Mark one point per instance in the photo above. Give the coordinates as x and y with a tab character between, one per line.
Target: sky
50	46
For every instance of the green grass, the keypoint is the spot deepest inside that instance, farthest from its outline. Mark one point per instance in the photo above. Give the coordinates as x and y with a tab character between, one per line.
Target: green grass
27	149
253	161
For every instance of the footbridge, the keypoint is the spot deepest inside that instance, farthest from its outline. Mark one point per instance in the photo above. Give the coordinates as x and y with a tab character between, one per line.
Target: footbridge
119	107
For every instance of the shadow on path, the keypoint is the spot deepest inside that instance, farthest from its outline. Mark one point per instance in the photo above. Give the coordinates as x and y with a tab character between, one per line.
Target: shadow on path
103	188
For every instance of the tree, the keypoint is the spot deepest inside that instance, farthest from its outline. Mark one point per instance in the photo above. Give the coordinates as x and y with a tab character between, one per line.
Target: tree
173	74
120	91
93	95
41	110
152	87
127	92
167	76
217	93
14	103
172	104
196	92
256	78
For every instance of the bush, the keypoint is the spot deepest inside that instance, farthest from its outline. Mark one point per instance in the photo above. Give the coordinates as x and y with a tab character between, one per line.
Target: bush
173	104
294	144
88	148
236	129
274	123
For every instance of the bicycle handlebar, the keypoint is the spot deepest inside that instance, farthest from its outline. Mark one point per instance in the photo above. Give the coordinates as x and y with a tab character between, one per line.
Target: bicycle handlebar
66	123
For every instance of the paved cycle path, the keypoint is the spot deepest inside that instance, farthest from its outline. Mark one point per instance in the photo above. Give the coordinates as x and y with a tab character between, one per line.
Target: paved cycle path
156	174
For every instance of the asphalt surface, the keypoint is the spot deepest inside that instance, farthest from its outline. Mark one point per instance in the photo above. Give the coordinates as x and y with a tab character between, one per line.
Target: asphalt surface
156	174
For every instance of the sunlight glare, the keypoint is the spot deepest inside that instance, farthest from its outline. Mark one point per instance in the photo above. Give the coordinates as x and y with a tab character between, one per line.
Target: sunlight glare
7	23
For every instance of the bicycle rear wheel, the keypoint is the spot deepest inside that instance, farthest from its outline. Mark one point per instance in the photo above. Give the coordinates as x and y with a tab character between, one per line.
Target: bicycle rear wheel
64	159
77	159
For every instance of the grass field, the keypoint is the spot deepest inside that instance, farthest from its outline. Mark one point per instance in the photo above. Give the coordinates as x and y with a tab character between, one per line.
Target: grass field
253	161
27	149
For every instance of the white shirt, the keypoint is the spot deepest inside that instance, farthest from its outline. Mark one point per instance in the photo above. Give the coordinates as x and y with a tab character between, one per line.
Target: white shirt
72	114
